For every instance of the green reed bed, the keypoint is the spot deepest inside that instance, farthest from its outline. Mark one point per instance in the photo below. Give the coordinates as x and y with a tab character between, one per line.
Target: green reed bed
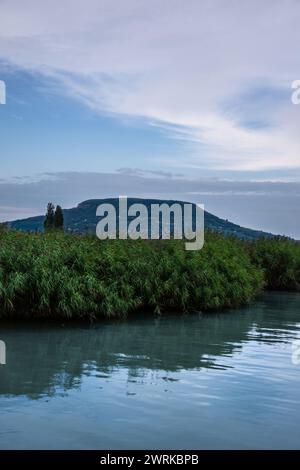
56	275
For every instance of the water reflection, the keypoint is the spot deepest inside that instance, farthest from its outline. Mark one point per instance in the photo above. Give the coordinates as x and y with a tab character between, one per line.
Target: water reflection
48	359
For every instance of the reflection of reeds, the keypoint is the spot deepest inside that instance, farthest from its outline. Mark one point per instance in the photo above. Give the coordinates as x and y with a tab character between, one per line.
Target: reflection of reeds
59	275
50	359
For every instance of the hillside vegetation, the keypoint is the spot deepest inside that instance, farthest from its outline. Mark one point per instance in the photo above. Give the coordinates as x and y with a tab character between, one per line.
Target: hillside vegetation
60	275
83	219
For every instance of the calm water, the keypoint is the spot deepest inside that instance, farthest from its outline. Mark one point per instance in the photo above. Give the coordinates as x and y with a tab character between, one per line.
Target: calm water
201	381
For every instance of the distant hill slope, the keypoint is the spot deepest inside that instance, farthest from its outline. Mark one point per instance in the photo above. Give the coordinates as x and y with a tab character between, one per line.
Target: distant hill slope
82	219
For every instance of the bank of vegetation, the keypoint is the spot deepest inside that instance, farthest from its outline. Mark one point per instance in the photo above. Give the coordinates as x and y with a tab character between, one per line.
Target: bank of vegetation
58	275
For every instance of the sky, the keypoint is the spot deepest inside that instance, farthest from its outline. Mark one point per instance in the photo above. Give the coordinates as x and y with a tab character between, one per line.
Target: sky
178	99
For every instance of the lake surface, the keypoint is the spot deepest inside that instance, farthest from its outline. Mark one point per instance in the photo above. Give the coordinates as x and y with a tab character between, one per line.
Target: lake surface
223	381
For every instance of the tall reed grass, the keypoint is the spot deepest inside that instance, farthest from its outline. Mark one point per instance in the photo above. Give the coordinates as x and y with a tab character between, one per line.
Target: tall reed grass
57	275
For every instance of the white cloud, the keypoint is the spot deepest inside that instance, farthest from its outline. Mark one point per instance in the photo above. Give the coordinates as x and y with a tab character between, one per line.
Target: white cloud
173	63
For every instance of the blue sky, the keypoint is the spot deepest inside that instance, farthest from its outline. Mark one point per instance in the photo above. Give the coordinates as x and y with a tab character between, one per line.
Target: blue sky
171	91
43	131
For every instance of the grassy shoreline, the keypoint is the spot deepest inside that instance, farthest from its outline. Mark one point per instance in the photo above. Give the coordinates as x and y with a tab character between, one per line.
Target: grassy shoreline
63	276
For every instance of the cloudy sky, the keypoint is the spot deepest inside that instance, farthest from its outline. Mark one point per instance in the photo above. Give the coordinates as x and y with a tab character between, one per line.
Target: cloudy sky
188	99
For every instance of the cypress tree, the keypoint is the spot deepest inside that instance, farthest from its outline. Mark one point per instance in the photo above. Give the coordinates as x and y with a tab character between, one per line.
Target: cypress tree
58	218
49	219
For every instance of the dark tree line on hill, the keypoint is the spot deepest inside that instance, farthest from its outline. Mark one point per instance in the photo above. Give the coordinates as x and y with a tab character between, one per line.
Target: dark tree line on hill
54	219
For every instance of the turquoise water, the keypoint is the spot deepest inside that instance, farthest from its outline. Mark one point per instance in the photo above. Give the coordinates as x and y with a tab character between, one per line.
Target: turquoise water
229	380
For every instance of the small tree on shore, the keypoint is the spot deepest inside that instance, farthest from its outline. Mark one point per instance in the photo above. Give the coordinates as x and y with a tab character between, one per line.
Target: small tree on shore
49	219
3	226
58	218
